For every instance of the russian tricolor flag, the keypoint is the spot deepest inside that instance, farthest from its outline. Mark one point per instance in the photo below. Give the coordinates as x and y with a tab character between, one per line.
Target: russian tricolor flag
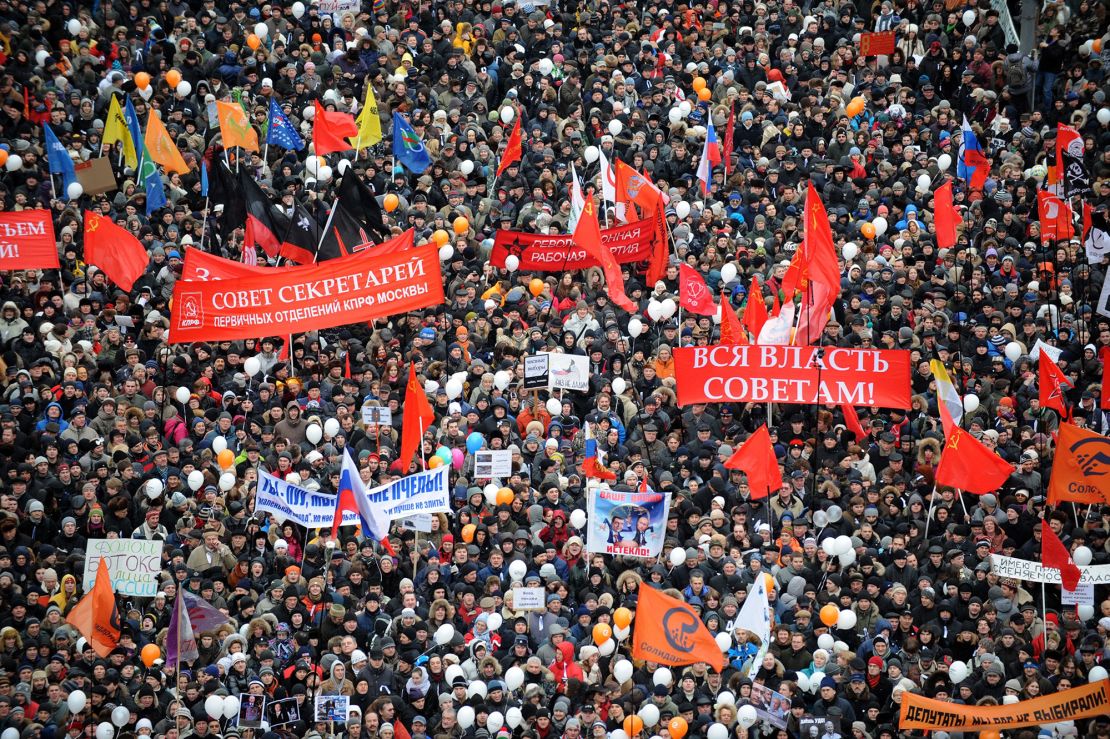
352	497
591	465
973	165
710	156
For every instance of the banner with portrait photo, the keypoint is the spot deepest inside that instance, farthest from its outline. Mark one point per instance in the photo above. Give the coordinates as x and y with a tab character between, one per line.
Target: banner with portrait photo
628	524
770	705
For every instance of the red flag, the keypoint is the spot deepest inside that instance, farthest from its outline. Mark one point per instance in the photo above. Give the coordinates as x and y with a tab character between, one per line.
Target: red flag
693	295
820	279
418	416
945	216
331	129
755	312
587	235
968	465
513	150
1104	355
851	418
726	144
1055	554
661	253
1055	217
1087	213
732	331
757	459
1051	382
283	353
114	250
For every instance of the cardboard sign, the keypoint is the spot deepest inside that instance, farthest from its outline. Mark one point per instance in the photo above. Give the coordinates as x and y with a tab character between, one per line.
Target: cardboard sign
133	565
96	176
536	372
1084	595
490	463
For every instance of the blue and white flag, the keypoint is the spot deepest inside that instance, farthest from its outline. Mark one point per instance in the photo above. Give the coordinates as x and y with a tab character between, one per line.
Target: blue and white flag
280	132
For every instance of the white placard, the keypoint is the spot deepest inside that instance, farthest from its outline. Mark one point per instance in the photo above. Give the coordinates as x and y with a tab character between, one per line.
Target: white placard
421	522
1021	569
377	414
1084	595
133	565
529	599
1051	352
569	372
490	463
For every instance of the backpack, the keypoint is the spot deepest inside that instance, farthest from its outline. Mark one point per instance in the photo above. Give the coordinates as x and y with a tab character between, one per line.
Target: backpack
1017	77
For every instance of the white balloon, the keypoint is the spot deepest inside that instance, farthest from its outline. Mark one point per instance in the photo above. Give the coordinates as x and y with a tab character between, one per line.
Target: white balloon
802	680
430	387
120	716
1097	673
578	518
971	403
74	26
678	556
650	714
621	634
669	307
494	722
501	379
846	619
154	488
314	433
444	634
40	59
724	641
944	161
514	676
1103	116
880	225
591	154
219	444
227	481
850	251
682	209
828	546
507	114
848	558
635	327
14	163
618	733
834	513
446	252
615	127
815	681
654	309
324	174
298	9
1082	556
331	427
840	647
261	30
546	66
686	107
517	570
728	272
454	388
820	519
674	115
554	406
622	671
826	641
490	491
957	671
74	190
251	366
746	716
607	647
512	263
662	676
717	731
105	730
1013	351
923	181
76	702
465	717
969	17
843	544
619	385
1086	613
182	394
231	706
184	89
514	717
1009	700
196	480
452	672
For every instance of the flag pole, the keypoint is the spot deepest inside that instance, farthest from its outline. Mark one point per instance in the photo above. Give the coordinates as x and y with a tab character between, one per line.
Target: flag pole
204	223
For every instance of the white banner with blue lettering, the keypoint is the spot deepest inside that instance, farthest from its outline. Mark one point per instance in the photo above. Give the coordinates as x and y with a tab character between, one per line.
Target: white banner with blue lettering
288	502
424	492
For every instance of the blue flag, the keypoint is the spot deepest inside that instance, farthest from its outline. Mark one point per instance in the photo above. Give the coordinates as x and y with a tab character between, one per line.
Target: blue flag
152	181
280	132
133	127
203	180
59	161
408	149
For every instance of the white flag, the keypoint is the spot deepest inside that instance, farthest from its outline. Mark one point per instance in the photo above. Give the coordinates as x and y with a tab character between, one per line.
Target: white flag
577	200
755	614
609	185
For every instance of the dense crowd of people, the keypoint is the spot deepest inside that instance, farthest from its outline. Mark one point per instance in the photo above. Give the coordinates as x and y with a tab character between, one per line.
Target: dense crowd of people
90	416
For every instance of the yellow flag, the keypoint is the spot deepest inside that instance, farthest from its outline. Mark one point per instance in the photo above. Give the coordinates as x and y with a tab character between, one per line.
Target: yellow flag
115	129
235	127
369	122
161	146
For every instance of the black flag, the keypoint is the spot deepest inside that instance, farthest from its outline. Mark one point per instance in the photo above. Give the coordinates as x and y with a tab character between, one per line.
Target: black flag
356	220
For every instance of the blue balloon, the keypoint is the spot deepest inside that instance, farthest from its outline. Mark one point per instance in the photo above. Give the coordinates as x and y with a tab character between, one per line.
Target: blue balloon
474	442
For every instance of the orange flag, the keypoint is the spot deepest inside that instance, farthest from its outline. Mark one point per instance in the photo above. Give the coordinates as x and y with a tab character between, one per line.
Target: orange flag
513	149
732	331
114	250
161	146
1050	385
418	416
235	127
587	234
945	217
95	615
755	312
331	130
669	632
758	461
1080	471
968	465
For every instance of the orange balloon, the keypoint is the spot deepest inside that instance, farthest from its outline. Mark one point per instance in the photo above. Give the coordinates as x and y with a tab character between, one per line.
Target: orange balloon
434	462
441	237
461	225
602	634
622	617
391	202
226	458
3	157
142	80
633	725
868	230
536	286
468	532
505	496
150	653
699	84
677	727
173	78
254	42
856	106
768	582
829	614
704	94
1096	45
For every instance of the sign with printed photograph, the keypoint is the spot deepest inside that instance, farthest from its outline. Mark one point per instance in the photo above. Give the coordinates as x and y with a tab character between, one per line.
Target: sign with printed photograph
489	463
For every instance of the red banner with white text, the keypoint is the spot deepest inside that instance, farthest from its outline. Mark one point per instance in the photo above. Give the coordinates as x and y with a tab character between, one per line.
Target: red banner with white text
27	240
354	289
792	374
558	253
200	265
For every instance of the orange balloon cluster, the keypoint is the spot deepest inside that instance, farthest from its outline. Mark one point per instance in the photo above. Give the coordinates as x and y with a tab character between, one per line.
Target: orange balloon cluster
3	157
505	496
704	94
434	462
142	80
391	202
855	106
602	633
173	78
699	84
829	614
